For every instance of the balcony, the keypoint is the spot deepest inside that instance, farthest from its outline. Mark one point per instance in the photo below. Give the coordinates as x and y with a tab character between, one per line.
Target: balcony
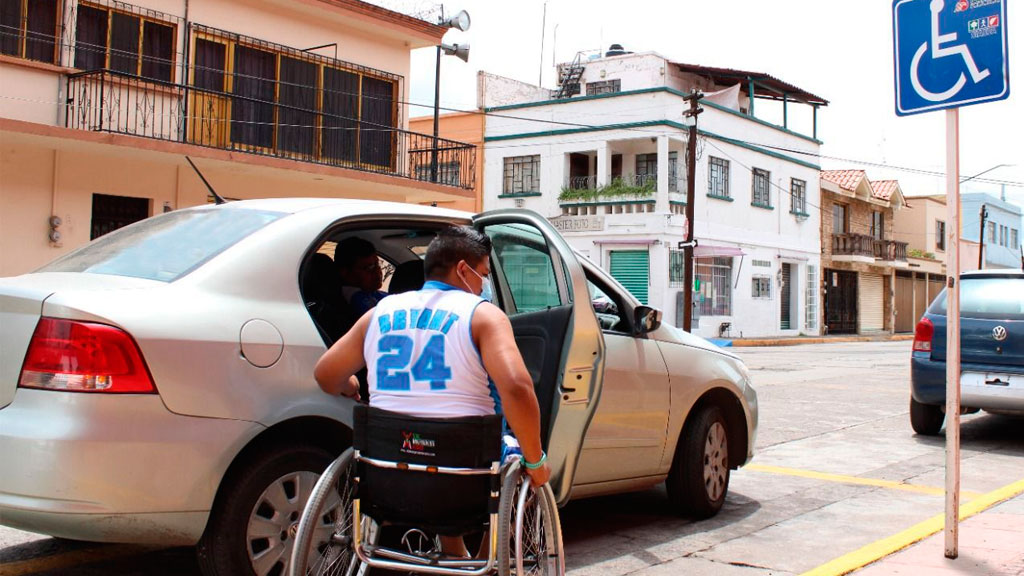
867	249
120	103
628	194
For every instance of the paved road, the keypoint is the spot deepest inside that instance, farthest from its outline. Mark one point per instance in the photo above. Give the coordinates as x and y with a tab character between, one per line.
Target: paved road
837	468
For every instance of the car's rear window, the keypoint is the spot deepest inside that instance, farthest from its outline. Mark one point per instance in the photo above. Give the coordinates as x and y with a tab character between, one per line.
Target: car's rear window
987	298
165	247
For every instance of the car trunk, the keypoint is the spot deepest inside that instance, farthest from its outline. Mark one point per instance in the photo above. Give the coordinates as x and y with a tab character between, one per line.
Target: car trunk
978	344
21	304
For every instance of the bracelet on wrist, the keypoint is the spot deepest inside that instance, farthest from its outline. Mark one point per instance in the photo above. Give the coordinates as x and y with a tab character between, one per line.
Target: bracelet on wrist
537	464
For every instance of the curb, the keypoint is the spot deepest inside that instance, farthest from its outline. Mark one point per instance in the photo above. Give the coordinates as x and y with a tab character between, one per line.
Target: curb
756	342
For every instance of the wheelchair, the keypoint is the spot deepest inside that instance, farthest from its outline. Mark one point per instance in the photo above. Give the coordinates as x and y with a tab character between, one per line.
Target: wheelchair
426	478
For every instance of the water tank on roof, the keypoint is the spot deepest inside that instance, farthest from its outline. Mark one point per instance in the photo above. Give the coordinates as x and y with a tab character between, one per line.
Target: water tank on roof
615	50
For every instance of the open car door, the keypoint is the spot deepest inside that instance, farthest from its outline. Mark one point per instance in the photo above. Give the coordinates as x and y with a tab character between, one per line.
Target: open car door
543	289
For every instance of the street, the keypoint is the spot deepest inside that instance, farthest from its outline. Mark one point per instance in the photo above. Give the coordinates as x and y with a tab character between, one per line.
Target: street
837	467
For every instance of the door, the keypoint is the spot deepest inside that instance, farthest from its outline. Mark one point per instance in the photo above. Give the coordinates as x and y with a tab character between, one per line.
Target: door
905	318
841	301
208	106
542	287
871	305
786	297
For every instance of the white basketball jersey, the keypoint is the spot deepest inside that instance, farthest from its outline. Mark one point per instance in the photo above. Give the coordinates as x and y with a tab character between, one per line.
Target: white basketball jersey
421	359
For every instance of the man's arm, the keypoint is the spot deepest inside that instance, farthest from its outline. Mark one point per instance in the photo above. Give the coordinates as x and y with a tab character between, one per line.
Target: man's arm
492	333
336	368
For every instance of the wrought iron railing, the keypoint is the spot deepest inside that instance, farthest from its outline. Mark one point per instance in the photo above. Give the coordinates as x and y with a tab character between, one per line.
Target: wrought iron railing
868	246
108	101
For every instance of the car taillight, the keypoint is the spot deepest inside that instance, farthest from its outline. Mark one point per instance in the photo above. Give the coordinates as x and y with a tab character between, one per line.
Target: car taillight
923	335
84	357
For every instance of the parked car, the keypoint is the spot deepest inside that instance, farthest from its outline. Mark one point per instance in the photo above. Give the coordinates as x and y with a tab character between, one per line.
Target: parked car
156	384
991	350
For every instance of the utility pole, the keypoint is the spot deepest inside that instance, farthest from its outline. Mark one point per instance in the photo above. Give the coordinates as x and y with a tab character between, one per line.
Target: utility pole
981	238
691	170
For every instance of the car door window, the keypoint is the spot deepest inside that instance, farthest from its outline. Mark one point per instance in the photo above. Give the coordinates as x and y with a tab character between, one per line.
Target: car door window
525	268
610	311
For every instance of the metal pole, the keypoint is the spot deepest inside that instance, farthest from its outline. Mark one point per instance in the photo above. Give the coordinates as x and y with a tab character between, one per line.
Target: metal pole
952	332
691	169
981	239
543	29
437	110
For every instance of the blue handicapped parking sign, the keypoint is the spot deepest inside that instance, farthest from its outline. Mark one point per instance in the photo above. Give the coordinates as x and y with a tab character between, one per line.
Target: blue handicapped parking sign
949	53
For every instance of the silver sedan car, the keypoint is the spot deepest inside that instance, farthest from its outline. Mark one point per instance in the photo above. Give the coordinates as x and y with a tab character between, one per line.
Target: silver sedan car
156	384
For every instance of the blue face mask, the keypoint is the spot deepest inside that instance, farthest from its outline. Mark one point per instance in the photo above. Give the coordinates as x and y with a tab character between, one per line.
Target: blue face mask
485	287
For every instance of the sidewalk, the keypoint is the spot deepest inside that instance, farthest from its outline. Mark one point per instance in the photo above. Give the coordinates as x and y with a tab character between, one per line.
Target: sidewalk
748	342
991	543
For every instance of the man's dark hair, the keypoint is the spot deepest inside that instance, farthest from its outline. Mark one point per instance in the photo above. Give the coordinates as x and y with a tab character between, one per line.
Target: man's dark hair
351	249
452	245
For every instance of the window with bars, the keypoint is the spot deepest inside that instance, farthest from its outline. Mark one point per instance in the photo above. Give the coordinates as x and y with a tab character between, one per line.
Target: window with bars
676	267
647	170
761	188
28	29
522	174
940	235
106	38
798	194
718	177
811	307
761	287
604	87
715	291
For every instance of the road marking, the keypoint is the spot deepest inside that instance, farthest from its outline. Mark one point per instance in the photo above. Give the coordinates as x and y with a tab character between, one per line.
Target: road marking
73	558
886	546
858	480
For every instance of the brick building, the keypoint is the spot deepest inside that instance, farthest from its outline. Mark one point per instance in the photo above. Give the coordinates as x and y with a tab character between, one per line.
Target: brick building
859	256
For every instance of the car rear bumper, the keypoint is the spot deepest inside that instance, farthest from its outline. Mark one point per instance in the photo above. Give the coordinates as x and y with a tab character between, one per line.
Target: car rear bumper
111	468
928	386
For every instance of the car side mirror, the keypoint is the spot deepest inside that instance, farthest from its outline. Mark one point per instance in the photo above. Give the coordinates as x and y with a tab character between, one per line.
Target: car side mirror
645	319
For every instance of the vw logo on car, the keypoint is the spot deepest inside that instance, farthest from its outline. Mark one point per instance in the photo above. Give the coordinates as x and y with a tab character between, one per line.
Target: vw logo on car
999	333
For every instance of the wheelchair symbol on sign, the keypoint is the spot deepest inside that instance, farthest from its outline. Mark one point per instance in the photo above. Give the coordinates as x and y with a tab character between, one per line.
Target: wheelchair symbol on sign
938	51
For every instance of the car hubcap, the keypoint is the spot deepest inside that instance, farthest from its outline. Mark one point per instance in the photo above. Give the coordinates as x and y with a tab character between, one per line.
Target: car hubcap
716	461
274	522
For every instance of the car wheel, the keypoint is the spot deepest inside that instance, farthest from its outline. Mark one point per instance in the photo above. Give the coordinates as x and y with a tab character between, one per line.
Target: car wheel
253	525
699	478
926	419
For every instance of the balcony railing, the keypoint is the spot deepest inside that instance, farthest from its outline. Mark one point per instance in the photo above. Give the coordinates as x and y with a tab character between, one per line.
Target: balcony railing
115	102
868	247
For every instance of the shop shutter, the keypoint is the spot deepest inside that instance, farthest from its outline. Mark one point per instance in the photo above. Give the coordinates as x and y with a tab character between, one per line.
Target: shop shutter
632	269
871	304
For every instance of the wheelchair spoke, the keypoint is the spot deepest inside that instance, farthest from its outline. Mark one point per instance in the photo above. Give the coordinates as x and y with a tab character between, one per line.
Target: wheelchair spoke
332	553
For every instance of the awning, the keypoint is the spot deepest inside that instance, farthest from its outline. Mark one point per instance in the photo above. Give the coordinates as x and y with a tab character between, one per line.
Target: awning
709	251
627	241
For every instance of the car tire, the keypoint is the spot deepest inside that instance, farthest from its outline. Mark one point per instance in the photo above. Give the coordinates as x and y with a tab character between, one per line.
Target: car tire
926	419
699	479
269	489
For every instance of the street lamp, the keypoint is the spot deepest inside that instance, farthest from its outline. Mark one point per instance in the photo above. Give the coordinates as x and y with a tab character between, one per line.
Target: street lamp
461	23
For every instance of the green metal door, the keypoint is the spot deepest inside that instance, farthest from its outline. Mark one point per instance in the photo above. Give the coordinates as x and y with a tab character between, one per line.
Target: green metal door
632	268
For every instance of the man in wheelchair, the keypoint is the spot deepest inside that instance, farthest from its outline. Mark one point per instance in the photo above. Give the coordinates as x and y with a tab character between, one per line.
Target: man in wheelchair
443	372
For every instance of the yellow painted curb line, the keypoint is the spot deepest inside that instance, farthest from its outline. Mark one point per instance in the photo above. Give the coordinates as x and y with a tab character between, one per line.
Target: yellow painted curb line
857	480
886	546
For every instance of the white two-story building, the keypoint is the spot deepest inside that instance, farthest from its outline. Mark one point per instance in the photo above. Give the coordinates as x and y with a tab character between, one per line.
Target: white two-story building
604	157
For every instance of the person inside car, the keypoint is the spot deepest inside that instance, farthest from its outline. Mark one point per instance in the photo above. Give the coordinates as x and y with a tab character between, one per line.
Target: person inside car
361	274
443	351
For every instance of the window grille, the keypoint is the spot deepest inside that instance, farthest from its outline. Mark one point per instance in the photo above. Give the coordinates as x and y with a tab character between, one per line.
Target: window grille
761	287
798	192
940	235
522	174
715	291
604	87
28	29
761	188
677	267
811	307
718	177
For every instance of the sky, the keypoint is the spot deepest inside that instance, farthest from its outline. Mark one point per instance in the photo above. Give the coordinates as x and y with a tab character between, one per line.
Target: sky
840	51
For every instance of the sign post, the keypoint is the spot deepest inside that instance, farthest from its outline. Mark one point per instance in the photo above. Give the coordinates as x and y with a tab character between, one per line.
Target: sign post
947	54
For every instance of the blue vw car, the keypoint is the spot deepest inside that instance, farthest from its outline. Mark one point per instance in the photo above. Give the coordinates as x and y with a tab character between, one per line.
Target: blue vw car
991	350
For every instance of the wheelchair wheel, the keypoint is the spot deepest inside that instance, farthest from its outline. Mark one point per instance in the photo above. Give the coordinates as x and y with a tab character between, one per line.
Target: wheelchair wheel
529	533
323	543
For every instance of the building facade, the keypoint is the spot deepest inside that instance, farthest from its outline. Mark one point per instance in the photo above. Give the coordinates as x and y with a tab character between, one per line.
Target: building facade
859	255
465	127
604	158
1001	240
102	101
922	225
